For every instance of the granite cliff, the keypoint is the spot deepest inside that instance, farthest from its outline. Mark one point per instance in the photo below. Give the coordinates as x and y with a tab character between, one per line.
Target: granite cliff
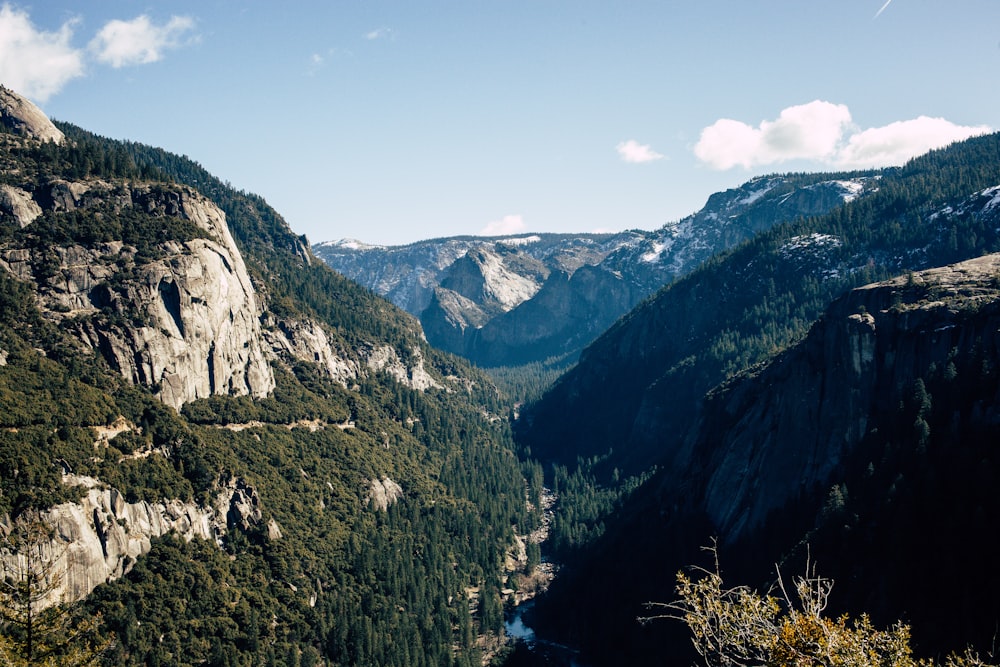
99	538
185	321
180	314
18	114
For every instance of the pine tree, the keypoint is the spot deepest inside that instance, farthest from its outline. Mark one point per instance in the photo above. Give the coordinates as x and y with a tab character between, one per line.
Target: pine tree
35	629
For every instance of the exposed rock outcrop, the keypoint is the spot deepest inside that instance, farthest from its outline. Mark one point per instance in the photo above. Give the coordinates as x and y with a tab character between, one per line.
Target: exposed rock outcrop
185	323
238	503
23	117
99	538
307	341
383	493
19	205
567	313
413	373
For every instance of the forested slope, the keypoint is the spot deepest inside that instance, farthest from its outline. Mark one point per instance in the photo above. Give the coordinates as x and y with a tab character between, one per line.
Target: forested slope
373	491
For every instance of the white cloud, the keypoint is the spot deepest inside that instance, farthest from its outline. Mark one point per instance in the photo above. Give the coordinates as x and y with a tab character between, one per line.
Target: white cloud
509	224
636	153
823	132
139	41
316	63
35	63
809	131
897	142
380	33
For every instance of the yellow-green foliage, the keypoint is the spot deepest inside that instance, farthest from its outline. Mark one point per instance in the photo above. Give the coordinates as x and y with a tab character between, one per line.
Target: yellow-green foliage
738	627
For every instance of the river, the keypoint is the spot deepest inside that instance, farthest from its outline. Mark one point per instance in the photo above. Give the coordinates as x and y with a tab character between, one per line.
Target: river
533	651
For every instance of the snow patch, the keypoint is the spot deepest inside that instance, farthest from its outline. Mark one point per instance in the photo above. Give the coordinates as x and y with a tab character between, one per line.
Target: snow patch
757	194
946	211
812	241
972	203
993	192
350	244
521	240
654	254
852	189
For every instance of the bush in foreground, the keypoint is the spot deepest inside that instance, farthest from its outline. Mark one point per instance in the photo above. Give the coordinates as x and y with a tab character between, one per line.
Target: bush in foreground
738	627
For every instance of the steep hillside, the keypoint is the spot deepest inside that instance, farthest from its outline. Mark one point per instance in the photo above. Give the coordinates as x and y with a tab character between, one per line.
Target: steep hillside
636	387
637	400
245	458
868	447
522	299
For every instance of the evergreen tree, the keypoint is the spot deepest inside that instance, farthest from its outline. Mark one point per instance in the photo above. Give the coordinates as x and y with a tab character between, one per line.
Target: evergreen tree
34	628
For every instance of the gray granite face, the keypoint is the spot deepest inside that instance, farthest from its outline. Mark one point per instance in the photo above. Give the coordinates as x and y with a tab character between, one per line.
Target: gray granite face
20	115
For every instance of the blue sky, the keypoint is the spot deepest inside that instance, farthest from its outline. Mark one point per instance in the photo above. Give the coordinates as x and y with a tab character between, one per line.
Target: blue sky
391	122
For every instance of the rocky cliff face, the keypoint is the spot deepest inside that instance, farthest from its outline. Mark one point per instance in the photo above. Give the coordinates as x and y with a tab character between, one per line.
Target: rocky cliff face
567	313
185	321
118	266
766	439
99	538
19	115
308	341
824	452
492	299
179	314
149	276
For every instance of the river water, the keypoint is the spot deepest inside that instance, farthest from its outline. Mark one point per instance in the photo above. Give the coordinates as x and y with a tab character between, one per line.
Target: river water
534	651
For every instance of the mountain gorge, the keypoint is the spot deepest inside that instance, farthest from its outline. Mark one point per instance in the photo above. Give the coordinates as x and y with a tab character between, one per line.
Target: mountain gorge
507	301
240	456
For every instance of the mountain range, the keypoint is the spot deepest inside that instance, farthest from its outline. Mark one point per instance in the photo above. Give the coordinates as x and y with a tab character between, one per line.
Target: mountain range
513	300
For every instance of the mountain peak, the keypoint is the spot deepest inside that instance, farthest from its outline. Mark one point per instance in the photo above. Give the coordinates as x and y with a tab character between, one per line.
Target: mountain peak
19	114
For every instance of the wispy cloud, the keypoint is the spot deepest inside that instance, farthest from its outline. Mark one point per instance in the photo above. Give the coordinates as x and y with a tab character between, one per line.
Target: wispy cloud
319	60
33	62
509	224
380	33
139	41
879	12
636	153
824	132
